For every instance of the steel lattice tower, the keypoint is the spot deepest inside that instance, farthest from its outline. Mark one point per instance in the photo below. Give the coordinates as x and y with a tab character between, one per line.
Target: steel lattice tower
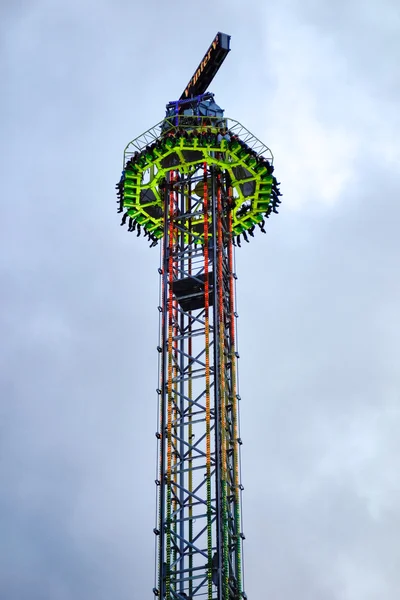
198	181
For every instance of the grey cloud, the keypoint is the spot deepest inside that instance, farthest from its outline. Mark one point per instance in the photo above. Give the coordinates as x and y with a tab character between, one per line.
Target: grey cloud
318	325
322	417
365	37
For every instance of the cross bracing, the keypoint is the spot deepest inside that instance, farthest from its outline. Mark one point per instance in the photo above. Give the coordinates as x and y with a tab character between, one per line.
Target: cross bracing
198	531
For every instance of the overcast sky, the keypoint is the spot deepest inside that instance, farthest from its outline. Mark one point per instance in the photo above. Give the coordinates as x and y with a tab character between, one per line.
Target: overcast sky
318	297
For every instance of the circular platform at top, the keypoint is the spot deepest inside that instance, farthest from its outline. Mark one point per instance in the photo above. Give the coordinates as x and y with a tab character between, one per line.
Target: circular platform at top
184	145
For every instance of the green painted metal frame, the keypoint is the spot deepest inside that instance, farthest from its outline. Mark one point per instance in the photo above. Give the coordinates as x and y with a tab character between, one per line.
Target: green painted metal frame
147	172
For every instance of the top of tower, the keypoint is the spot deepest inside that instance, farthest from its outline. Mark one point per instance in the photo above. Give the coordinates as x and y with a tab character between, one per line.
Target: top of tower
195	133
208	67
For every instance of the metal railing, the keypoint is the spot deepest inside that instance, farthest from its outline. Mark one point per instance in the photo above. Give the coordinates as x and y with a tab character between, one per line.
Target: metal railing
172	125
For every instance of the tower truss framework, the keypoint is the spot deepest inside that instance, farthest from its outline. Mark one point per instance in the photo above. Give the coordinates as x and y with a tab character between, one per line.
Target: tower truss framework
199	524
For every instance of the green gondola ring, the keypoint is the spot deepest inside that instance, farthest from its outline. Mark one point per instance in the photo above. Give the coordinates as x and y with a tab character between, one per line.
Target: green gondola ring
255	191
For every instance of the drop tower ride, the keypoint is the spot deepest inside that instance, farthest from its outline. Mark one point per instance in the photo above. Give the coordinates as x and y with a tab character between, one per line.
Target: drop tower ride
199	183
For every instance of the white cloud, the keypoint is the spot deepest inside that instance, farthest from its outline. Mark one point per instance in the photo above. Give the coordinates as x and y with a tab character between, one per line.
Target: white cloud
315	157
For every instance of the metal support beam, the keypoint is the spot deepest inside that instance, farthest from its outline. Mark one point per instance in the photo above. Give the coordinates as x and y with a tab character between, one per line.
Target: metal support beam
199	546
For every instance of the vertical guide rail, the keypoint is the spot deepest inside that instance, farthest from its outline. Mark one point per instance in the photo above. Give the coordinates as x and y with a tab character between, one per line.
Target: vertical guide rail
218	354
169	392
175	391
190	407
163	378
207	374
235	441
222	396
182	402
175	420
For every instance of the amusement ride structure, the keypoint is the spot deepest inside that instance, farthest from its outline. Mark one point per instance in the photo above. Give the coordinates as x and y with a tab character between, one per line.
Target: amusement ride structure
199	183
